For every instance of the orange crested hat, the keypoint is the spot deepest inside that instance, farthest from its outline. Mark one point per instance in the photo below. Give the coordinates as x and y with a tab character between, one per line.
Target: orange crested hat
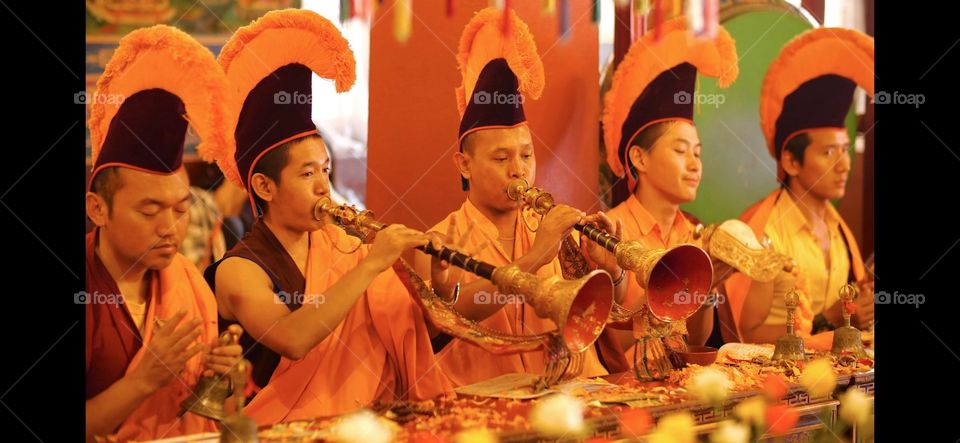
500	69
656	81
811	83
269	65
158	81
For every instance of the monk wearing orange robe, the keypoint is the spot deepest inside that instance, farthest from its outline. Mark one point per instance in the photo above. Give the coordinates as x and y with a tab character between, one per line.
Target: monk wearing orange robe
806	96
149	314
496	147
332	327
651	139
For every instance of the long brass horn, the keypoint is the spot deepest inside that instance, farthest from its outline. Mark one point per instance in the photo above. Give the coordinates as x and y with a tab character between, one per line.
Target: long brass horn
673	278
579	307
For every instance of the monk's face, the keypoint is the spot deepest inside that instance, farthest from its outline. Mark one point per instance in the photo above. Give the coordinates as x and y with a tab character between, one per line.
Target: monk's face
494	157
826	164
672	165
303	180
148	219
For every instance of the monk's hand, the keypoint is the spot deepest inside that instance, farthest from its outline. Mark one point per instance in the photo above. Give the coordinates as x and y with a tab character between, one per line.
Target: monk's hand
863	318
554	227
390	242
168	351
443	276
721	272
222	359
593	251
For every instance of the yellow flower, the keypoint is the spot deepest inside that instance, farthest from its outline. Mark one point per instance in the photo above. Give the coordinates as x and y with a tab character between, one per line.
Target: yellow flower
558	415
818	378
478	435
674	428
730	431
751	410
710	385
855	407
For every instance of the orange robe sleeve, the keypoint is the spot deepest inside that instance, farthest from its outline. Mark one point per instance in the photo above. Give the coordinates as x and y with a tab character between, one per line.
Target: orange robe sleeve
380	351
177	287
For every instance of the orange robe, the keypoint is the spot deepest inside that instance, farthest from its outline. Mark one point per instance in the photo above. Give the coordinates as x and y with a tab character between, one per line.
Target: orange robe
380	351
639	224
464	363
778	218
114	345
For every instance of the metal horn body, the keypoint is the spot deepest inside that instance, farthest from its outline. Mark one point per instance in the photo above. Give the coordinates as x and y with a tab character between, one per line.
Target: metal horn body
579	307
673	278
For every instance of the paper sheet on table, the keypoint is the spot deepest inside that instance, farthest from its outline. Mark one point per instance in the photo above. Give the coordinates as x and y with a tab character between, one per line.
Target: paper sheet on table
520	386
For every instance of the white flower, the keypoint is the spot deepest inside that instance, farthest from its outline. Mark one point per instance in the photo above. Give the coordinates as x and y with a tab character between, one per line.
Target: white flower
362	427
855	407
730	432
710	385
558	415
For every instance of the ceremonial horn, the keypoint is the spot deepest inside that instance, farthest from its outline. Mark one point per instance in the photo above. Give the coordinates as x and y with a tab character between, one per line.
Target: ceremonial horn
674	278
579	307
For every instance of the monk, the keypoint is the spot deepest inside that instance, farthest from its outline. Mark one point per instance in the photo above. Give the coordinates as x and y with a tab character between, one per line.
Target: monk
496	147
804	104
332	328
151	321
652	140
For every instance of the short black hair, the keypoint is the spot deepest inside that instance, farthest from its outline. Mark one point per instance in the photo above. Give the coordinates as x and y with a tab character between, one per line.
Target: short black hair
645	140
106	184
271	164
468	149
797	147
